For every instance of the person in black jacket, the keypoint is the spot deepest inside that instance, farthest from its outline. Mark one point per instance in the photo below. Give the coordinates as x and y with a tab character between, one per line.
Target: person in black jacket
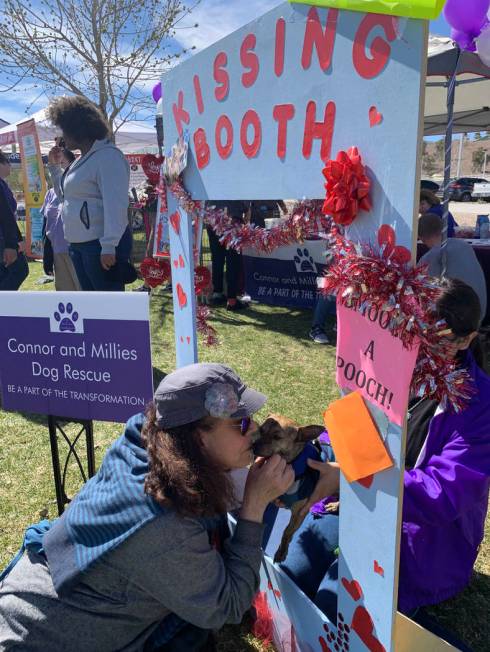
13	264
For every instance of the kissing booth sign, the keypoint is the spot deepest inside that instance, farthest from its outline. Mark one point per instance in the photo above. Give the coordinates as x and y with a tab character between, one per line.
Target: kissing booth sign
265	109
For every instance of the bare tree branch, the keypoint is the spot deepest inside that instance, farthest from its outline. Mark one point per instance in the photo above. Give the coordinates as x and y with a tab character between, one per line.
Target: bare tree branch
106	50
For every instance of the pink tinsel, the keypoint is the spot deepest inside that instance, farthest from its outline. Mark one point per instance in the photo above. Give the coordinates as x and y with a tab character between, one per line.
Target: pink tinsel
360	275
306	220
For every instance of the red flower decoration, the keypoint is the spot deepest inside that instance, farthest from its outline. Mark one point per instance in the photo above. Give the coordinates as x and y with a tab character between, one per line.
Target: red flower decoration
347	187
155	271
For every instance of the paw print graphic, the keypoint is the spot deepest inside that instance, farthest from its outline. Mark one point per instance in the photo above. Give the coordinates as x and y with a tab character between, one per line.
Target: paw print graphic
304	262
67	322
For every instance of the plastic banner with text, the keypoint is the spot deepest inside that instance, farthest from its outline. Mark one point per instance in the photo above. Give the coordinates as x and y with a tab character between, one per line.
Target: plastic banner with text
34	182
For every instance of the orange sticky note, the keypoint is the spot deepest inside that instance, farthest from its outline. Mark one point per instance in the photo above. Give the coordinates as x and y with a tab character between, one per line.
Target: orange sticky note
356	442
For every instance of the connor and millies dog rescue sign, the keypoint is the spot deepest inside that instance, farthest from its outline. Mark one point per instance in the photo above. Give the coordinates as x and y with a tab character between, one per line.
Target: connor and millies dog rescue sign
83	355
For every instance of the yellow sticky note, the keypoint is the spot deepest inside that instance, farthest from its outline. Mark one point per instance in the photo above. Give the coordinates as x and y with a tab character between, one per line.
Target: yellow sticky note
428	9
356	442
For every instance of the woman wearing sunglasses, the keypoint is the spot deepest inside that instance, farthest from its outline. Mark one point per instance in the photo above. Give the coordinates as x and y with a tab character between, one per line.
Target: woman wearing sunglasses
139	560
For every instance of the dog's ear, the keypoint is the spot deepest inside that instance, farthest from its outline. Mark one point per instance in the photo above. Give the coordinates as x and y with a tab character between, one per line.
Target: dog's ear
309	433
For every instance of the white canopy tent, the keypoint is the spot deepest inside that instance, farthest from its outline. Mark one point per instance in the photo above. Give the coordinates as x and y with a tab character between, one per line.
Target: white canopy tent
472	89
131	137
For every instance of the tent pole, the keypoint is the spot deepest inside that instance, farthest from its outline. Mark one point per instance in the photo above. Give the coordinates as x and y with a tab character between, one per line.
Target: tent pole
447	161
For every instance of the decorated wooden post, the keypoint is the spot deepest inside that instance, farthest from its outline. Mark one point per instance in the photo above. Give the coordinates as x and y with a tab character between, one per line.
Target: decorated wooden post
266	109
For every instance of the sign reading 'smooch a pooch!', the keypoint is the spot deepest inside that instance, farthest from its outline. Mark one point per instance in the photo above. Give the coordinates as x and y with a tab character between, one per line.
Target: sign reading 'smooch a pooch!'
373	361
82	355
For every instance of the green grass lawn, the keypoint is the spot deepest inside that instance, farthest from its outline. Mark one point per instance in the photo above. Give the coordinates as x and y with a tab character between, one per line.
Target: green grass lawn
270	349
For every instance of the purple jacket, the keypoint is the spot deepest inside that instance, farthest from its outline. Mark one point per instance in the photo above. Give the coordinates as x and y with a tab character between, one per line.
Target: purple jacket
445	502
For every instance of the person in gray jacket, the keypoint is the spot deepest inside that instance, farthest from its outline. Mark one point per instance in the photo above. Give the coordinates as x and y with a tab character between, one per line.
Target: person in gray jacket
137	561
461	262
94	192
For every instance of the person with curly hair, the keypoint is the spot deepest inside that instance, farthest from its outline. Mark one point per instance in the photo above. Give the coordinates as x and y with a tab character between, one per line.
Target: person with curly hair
430	203
13	263
140	560
94	192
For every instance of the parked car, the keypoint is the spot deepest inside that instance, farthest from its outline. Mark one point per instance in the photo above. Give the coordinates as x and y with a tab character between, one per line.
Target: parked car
461	189
425	184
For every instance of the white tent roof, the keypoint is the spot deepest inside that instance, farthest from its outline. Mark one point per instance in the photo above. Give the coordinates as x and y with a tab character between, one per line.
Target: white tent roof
131	137
472	94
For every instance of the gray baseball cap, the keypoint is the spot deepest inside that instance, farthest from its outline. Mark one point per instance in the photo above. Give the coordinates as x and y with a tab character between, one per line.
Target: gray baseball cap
204	389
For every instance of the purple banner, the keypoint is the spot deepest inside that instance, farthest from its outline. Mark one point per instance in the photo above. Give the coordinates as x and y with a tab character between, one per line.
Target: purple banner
103	373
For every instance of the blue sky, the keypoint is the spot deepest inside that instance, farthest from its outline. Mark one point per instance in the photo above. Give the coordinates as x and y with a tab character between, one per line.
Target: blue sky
216	19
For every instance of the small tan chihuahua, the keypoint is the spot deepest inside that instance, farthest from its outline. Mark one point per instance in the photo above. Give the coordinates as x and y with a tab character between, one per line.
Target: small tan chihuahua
282	436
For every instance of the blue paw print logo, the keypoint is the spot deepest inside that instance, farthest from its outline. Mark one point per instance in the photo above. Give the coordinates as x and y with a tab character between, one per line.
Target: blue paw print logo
304	262
66	317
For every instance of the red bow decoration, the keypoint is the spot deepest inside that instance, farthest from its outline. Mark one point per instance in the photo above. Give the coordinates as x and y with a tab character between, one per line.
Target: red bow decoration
155	271
347	187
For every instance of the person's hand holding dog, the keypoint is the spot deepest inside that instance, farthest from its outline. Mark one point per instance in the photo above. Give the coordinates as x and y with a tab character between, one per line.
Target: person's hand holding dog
328	483
267	479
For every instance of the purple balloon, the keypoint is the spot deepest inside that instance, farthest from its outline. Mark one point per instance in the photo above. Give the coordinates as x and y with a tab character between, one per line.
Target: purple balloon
157	91
464	40
467	15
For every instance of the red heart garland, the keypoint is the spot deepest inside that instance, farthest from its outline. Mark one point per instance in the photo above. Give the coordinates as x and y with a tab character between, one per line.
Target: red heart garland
155	271
174	220
181	296
151	167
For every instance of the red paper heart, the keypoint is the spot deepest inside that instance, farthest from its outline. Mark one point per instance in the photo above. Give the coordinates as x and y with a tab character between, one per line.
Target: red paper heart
277	594
375	117
353	588
182	339
367	481
363	625
151	167
181	296
155	271
174	220
269	585
188	339
181	262
176	263
386	237
401	255
379	569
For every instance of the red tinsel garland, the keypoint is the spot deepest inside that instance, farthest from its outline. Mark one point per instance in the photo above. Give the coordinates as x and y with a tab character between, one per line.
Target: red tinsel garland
347	187
305	221
202	315
361	276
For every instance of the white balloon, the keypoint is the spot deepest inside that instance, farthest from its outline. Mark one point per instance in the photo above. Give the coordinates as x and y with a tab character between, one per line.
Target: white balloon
160	107
483	46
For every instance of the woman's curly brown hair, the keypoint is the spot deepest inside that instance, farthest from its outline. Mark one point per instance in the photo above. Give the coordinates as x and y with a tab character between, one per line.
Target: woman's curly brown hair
181	475
78	118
